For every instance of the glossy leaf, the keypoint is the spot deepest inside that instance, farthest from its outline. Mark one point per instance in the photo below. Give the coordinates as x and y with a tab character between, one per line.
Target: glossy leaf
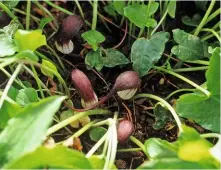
93	38
194	21
157	148
50	65
137	14
27	130
97	133
94	59
29	40
27	54
26	96
44	22
146	52
200	108
172	8
119	6
190	47
153	8
113	58
59	157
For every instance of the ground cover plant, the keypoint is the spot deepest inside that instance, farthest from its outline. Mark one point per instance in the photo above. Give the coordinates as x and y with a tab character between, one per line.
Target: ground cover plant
110	84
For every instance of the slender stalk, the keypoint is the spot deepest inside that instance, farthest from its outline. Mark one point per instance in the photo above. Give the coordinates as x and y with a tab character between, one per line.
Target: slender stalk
138	143
211	135
79	8
202	62
213	32
74	118
37	81
167	105
58	7
206	92
141	32
36	19
209	36
94	20
191	69
28	12
8	99
9	84
10	14
8	62
213	15
178	91
129	150
202	23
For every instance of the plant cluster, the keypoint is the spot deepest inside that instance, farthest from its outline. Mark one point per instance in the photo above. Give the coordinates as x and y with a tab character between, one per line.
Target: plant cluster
37	86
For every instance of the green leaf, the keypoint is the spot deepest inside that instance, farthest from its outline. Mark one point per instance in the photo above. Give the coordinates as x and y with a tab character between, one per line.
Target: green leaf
119	6
172	8
27	54
9	110
137	14
113	58
94	59
11	4
29	40
97	133
213	73
170	163
157	148
27	96
43	22
194	21
203	110
49	65
93	38
201	4
10	29
190	47
153	8
27	130
146	52
151	23
181	154
98	163
59	157
110	9
200	108
7	46
162	116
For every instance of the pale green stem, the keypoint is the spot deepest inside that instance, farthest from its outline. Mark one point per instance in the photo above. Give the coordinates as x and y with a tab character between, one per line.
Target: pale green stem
178	91
9	84
74	118
79	8
58	7
94	20
160	22
211	135
206	92
209	36
202	62
97	145
166	104
213	32
191	69
28	12
138	143
129	150
8	62
213	15
202	23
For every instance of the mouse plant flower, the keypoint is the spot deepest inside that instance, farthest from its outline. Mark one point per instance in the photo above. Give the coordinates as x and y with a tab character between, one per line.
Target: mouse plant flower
70	26
125	86
124	129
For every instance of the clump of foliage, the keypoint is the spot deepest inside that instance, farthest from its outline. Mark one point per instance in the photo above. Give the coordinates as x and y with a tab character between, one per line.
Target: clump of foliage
37	84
